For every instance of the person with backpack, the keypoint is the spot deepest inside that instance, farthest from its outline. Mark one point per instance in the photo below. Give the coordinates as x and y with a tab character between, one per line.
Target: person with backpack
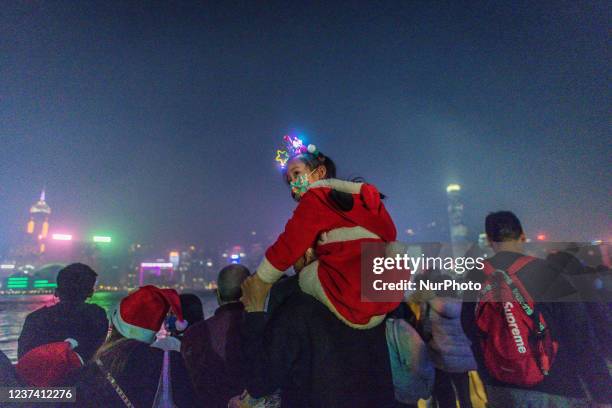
533	342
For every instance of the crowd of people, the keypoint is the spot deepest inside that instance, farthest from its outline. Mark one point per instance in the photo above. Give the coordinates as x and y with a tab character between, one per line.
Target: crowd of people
308	340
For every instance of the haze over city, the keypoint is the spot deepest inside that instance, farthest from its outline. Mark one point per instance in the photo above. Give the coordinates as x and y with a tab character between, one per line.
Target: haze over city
160	125
345	204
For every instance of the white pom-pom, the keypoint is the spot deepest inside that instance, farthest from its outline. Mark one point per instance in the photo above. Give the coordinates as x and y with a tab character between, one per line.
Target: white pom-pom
73	343
312	148
181	325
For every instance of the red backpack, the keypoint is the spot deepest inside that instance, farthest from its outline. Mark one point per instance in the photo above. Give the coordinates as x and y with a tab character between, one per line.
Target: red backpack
517	344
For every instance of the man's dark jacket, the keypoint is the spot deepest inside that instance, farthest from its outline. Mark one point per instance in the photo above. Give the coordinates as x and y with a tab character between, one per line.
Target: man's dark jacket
578	359
84	322
304	350
212	353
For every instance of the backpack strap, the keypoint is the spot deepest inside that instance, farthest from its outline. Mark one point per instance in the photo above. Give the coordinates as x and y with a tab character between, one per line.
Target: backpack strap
517	287
488	268
533	311
495	277
508	276
519	264
114	384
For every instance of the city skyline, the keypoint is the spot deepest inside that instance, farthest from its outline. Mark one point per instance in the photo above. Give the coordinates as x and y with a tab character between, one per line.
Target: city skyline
456	232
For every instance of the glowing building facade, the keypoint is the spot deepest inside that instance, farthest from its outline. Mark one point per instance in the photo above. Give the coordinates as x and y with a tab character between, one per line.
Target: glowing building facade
38	224
458	230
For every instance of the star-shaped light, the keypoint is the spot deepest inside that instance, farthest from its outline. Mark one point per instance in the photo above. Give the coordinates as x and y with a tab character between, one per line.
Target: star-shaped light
282	157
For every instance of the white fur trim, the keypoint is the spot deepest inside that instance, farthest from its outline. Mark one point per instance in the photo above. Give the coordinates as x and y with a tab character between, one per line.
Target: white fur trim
340	185
310	284
73	343
344	234
130	331
267	272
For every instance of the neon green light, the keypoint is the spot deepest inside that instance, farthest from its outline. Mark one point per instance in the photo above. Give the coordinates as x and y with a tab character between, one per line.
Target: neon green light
43	283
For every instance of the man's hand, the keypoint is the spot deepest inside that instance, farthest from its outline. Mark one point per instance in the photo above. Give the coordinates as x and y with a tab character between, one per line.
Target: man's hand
254	293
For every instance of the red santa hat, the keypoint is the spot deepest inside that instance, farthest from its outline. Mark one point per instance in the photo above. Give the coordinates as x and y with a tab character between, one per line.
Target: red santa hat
49	365
140	315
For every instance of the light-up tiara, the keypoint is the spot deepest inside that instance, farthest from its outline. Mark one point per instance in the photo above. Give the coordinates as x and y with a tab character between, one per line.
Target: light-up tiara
294	146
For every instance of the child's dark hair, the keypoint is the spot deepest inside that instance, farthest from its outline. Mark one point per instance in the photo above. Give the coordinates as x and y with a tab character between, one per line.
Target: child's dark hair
312	162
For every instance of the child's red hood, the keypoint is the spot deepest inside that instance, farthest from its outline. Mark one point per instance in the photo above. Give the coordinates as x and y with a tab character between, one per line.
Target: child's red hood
367	211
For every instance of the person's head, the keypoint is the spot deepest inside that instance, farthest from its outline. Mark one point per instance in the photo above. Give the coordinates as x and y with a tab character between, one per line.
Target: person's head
192	308
116	351
229	281
305	169
140	315
75	283
504	232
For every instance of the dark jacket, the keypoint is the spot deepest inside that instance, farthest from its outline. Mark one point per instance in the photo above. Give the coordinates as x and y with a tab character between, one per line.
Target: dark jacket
212	353
282	290
7	372
84	322
315	359
139	379
577	359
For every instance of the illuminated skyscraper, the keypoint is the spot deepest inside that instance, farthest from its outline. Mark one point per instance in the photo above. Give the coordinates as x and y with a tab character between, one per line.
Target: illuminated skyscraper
458	230
38	225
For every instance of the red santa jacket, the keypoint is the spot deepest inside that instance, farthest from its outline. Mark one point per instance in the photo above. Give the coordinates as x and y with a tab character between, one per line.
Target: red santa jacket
336	235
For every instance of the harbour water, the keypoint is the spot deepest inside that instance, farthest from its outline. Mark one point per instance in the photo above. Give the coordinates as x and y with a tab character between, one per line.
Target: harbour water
14	309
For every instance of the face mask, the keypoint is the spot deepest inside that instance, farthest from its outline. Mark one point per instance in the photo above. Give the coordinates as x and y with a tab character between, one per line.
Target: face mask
301	184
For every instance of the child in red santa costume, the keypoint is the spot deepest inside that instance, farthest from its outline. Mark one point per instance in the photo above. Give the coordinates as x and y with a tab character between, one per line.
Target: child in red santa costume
333	218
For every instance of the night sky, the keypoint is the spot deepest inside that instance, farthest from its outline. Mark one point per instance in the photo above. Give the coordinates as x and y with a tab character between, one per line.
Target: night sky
159	124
